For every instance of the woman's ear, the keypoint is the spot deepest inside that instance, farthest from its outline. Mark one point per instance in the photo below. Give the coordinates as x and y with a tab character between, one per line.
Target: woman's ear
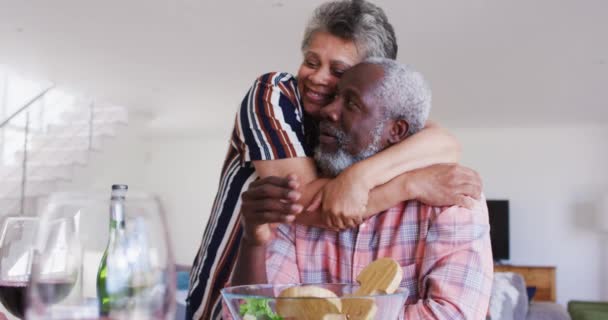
398	131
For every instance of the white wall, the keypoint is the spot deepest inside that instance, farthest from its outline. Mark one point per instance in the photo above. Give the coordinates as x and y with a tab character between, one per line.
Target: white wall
185	173
182	170
551	176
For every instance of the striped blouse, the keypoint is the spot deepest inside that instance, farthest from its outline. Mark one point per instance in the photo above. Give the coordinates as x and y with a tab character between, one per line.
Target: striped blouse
270	124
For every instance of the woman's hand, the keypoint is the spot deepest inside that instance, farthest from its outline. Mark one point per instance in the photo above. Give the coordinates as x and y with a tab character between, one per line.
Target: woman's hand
342	201
445	185
268	200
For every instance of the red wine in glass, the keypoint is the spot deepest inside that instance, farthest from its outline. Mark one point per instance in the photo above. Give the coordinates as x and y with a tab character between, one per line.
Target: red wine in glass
53	291
13	294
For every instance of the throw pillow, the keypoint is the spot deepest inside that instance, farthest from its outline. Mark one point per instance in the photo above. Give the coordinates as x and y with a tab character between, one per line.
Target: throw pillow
509	298
531	292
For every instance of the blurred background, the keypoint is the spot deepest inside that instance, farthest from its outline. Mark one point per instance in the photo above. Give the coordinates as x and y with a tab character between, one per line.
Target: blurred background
145	92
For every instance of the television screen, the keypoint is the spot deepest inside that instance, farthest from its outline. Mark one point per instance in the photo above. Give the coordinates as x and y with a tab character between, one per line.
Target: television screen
499	228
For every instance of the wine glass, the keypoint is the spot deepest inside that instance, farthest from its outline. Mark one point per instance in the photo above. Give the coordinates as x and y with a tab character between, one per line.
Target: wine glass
139	272
16	250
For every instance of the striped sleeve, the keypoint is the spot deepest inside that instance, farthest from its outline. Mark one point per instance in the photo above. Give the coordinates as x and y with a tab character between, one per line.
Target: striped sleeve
269	123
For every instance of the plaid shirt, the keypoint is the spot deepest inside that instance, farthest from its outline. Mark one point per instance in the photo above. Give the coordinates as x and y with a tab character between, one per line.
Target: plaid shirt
445	254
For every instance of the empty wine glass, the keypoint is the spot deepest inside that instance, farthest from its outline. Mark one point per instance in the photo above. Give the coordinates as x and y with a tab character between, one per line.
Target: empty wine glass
16	250
139	277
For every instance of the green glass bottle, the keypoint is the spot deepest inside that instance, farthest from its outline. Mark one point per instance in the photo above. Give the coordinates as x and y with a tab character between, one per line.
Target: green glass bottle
113	273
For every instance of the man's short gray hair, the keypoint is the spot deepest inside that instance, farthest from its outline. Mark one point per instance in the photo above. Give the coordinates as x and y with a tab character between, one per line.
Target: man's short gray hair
357	20
403	92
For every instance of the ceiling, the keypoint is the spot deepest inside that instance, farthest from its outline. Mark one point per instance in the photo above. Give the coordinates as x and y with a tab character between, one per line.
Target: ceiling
186	63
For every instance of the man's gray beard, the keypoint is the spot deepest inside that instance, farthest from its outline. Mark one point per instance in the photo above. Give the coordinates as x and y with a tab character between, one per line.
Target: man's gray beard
333	163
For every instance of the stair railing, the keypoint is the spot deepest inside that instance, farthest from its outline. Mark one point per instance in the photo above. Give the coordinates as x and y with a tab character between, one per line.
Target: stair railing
44	138
25	106
25	109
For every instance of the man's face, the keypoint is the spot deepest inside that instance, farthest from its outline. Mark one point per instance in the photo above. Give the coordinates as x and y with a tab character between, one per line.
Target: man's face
352	126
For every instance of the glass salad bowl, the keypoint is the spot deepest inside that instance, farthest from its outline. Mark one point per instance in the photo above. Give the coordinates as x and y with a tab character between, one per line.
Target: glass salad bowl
310	302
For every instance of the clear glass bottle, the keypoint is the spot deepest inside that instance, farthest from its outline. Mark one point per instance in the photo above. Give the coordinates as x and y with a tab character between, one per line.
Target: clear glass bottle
113	274
135	280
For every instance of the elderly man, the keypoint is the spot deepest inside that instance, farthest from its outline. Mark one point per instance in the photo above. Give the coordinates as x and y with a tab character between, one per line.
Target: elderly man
445	252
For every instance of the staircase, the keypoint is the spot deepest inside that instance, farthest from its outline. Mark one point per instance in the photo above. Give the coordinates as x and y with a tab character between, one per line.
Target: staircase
45	132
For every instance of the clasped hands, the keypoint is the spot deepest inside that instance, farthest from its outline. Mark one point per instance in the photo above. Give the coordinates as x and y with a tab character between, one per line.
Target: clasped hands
342	203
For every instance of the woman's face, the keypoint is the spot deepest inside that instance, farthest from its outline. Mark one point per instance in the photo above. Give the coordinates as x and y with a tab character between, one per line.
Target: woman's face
325	60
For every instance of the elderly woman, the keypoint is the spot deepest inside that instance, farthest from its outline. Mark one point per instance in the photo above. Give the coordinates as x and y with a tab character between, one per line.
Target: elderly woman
276	130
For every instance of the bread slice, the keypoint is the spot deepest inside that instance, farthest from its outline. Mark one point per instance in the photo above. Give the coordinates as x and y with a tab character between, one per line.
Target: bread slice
359	308
322	302
379	277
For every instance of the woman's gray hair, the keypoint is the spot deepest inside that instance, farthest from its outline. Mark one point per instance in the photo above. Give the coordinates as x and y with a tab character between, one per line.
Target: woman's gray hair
403	92
357	20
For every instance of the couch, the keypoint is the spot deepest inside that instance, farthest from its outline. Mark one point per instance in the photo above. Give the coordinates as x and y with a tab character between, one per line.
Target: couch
585	310
509	301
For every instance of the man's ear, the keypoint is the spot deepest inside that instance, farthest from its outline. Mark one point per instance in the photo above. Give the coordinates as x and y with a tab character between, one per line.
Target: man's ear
398	131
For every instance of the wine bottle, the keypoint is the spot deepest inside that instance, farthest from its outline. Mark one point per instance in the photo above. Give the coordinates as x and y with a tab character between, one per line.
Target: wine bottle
113	273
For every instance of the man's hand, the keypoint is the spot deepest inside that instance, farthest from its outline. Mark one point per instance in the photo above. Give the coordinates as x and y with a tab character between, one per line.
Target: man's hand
342	202
445	185
268	200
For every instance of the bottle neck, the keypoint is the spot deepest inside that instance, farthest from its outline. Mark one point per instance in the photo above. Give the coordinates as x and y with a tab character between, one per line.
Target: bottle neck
117	213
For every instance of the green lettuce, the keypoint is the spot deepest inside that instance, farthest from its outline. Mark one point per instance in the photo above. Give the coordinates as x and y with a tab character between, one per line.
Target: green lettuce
258	308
